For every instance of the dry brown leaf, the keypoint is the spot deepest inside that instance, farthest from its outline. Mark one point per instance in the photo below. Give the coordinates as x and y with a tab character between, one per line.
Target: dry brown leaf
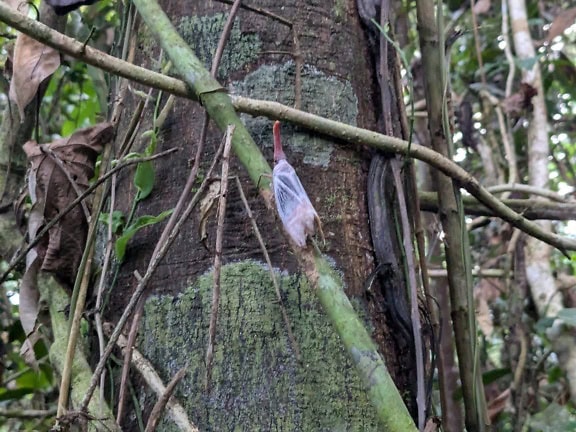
28	308
481	6
205	206
520	101
51	192
497	405
33	63
562	21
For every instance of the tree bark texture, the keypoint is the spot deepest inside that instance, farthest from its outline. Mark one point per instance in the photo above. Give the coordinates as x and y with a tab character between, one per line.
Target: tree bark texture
257	384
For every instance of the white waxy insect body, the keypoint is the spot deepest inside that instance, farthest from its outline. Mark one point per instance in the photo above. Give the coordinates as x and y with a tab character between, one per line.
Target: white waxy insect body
292	202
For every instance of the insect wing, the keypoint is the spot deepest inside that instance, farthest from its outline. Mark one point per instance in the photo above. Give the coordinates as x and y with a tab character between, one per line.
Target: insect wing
288	191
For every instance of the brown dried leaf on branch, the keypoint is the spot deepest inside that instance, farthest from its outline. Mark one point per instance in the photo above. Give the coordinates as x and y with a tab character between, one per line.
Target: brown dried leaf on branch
33	63
521	101
51	192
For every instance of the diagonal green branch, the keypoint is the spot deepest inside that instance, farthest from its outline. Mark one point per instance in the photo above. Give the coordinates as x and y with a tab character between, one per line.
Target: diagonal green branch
390	408
340	131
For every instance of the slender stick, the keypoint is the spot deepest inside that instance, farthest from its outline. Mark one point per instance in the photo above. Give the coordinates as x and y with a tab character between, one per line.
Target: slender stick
160	405
413	286
285	317
218	256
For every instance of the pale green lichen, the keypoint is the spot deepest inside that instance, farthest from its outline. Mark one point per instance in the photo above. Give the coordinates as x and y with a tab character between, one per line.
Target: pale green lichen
202	33
321	94
257	383
339	10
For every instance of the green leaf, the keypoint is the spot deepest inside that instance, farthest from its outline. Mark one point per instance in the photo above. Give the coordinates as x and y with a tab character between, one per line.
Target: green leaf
15	394
144	180
494	375
118	220
138	224
568	315
527	63
543	324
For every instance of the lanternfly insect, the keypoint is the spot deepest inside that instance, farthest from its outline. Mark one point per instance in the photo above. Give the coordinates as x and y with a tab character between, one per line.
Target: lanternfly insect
292	202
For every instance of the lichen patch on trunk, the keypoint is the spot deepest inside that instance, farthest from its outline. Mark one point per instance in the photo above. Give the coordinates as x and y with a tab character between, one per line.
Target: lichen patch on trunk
258	384
321	94
202	33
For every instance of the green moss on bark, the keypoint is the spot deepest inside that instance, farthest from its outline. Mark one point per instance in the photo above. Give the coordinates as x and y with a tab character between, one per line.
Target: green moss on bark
257	383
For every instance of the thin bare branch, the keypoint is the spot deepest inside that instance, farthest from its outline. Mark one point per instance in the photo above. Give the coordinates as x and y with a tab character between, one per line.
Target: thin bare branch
218	256
175	411
285	317
413	287
160	405
128	354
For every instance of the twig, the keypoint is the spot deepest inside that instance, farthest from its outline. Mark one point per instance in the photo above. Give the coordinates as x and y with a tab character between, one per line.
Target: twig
413	286
477	44
162	248
160	405
298	65
26	413
483	273
175	411
509	151
262	12
77	303
48	151
105	264
218	257
74	203
285	317
128	353
508	50
224	38
529	189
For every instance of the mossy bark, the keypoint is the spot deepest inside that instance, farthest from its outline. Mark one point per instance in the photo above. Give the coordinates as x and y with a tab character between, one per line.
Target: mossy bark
257	382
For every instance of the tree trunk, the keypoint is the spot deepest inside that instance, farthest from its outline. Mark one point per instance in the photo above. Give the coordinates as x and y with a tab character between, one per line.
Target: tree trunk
257	382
